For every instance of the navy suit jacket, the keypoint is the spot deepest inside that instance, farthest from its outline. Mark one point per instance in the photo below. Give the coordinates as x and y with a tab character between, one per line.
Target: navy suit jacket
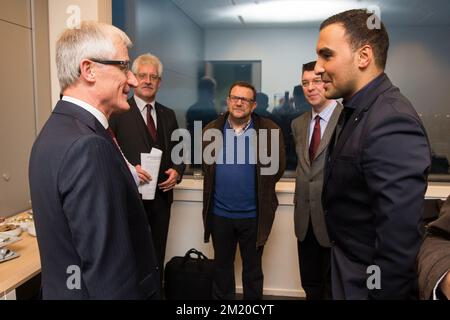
374	195
88	213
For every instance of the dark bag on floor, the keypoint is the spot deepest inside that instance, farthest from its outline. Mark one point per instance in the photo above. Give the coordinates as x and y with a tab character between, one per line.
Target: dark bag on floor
189	278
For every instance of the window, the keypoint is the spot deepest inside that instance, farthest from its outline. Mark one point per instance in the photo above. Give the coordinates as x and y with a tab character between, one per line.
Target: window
222	40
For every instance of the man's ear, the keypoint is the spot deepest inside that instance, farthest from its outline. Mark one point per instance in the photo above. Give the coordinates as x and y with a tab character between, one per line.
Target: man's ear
87	72
365	56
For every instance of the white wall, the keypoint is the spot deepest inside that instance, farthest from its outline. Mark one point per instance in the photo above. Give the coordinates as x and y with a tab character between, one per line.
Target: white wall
417	63
97	10
280	260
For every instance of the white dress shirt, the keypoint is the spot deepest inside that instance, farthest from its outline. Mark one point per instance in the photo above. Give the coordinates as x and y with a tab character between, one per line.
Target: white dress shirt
141	104
325	116
437	285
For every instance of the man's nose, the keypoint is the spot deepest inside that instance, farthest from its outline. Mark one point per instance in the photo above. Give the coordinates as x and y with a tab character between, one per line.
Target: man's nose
318	69
132	81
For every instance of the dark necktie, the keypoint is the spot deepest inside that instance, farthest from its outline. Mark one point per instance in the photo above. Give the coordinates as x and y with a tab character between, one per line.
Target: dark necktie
315	140
151	123
113	137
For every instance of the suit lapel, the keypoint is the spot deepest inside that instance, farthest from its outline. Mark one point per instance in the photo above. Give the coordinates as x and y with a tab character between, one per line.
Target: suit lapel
304	136
344	133
329	129
126	170
162	121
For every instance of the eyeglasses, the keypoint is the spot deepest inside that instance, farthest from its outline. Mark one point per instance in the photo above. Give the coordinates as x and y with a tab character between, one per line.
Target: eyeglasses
245	101
315	82
145	76
122	65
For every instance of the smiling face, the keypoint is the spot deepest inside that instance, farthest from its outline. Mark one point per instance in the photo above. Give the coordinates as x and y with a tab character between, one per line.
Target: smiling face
114	83
336	63
241	103
149	82
314	91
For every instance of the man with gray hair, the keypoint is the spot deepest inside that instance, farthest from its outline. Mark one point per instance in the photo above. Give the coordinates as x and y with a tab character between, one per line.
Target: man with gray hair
149	124
92	230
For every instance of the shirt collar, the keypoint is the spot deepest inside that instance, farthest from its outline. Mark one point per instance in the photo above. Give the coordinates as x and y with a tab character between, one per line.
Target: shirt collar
92	110
141	103
246	127
326	112
354	101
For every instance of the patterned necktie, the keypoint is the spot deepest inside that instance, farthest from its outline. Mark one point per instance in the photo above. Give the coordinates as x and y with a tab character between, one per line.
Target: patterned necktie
315	140
150	123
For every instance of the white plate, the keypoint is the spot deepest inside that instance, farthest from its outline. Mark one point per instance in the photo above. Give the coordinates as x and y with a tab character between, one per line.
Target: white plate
6	240
15	233
6	254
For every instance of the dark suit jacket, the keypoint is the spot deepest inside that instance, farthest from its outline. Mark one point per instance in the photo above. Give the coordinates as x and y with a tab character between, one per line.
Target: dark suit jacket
134	138
434	255
88	212
374	195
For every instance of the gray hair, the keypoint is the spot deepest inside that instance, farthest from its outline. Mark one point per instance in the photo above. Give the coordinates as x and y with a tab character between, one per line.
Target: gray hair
92	40
147	58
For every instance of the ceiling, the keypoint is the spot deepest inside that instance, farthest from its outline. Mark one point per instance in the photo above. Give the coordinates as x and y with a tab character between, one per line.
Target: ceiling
211	14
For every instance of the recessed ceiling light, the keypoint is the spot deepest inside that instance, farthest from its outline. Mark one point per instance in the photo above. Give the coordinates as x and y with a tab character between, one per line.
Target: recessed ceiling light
288	11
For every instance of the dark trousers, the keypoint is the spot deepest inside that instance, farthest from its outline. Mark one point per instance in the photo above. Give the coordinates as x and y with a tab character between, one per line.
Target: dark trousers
315	272
226	234
158	214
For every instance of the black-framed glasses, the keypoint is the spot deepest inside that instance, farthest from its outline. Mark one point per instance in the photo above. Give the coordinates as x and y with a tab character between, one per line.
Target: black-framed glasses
123	65
245	101
145	76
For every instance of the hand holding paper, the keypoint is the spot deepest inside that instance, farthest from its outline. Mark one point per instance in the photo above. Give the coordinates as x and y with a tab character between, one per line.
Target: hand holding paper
150	162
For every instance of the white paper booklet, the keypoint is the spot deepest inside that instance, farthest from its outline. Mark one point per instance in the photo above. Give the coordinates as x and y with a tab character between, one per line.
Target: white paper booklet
150	162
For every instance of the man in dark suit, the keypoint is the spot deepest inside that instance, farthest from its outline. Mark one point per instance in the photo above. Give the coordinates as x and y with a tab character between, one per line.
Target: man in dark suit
434	258
312	134
146	125
92	230
376	177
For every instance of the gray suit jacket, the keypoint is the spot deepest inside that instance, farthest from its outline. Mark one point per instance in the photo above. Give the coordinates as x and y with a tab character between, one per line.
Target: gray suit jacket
309	178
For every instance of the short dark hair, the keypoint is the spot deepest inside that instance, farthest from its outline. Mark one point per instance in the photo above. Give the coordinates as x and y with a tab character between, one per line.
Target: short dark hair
262	100
309	66
207	84
359	34
243	84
